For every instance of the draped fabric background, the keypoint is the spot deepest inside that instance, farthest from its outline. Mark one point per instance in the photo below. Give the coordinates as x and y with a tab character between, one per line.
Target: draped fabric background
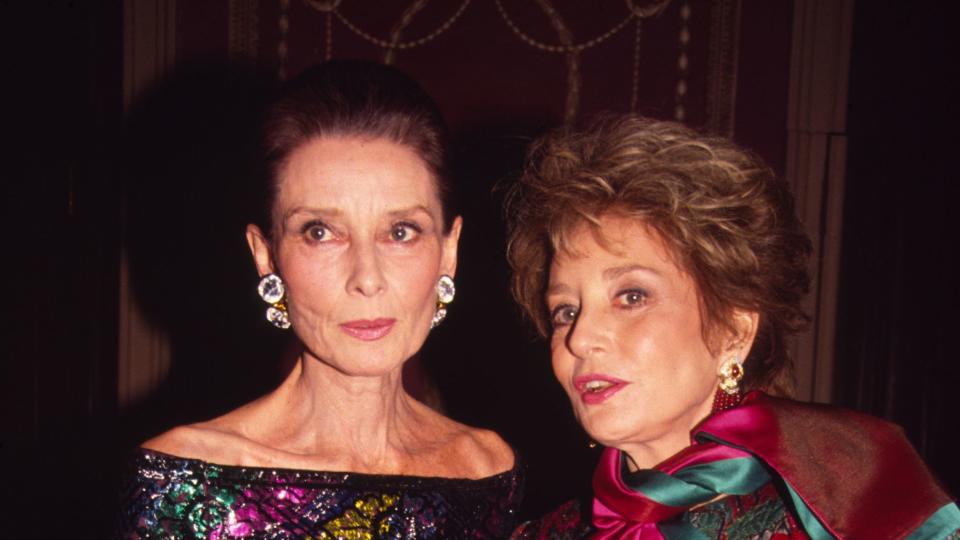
131	302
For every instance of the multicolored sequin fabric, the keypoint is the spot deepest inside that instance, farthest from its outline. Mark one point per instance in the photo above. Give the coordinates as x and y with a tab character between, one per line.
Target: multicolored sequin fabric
171	497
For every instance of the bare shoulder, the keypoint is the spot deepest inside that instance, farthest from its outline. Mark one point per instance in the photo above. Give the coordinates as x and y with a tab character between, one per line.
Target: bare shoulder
184	441
214	441
483	452
496	453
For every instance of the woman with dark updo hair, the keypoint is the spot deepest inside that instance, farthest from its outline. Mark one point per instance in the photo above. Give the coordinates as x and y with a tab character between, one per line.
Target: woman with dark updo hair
667	269
356	251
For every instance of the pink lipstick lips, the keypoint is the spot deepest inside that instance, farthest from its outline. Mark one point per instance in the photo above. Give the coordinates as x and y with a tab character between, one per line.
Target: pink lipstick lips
368	330
595	388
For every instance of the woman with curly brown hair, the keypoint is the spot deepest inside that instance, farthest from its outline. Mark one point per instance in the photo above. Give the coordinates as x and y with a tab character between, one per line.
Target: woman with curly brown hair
667	270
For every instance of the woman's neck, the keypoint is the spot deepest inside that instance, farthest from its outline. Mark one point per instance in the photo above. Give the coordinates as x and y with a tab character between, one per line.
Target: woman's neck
361	423
650	452
647	456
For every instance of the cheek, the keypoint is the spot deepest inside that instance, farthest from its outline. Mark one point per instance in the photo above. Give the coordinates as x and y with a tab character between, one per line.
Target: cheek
685	356
642	338
310	278
413	276
668	349
312	291
418	277
561	361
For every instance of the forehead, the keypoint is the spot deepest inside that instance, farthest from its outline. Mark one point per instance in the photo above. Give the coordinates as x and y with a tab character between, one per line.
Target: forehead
335	171
613	238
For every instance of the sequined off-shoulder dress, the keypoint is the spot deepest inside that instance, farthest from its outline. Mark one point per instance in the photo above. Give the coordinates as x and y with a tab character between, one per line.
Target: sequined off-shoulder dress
172	497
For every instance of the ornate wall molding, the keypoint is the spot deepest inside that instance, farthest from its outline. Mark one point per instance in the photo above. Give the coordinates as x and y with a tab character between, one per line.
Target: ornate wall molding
722	66
572	50
571	106
396	34
719	73
396	44
243	34
563	47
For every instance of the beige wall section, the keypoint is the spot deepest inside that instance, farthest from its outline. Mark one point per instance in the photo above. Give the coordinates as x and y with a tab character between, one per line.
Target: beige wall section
816	166
149	51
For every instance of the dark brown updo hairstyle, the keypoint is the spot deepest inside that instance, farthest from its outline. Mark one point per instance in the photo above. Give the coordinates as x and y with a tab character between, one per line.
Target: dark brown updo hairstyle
726	219
354	99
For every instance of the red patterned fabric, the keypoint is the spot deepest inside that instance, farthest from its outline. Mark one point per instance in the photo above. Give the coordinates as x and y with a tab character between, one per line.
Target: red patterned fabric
858	474
761	514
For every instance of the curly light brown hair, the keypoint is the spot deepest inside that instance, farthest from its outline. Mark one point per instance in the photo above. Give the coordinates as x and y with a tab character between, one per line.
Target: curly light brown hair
725	218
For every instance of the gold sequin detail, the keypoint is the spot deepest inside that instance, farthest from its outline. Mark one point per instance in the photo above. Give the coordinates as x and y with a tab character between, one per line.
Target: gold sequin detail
358	522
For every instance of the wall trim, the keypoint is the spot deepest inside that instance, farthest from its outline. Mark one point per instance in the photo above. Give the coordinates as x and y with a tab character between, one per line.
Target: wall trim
815	170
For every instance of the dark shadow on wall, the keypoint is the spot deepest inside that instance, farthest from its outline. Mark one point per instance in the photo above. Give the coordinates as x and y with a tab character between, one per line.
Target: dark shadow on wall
491	367
189	170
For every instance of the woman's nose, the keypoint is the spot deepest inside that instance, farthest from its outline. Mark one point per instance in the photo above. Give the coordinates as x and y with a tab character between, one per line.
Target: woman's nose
588	338
366	276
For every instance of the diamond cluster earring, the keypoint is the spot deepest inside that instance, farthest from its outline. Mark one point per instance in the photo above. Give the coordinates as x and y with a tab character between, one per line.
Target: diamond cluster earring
445	293
273	292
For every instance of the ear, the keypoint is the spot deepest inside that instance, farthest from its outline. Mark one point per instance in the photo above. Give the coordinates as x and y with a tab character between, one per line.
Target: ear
746	323
449	245
260	249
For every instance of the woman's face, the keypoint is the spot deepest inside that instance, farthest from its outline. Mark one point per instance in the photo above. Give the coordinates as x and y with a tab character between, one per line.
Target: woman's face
627	343
359	243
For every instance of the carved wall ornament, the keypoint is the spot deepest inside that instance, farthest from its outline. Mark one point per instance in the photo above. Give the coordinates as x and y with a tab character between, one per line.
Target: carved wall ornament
720	71
649	9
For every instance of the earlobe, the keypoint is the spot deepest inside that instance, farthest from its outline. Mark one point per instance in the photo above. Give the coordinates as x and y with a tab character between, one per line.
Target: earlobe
260	249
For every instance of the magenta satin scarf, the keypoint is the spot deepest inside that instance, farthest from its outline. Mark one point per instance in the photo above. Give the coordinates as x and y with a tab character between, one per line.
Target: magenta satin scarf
855	475
633	511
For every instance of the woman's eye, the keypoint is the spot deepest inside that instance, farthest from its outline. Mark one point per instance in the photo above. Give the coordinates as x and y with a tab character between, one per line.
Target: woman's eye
563	315
633	297
316	232
404	232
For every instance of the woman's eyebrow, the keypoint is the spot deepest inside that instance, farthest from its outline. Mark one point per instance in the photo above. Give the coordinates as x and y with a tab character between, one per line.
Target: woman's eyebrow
410	210
313	211
617	271
558	288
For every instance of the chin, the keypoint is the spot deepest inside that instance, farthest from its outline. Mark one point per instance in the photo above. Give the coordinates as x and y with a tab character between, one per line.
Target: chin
367	371
359	363
612	431
606	438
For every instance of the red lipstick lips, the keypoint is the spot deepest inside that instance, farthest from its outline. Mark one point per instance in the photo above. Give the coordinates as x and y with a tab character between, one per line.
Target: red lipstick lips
595	388
368	330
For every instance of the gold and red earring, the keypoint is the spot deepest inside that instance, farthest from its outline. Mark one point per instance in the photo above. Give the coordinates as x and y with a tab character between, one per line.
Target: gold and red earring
728	394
